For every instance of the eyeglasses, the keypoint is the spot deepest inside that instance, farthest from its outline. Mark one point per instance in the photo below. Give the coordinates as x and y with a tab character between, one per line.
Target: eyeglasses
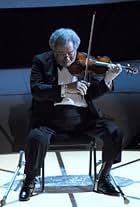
63	54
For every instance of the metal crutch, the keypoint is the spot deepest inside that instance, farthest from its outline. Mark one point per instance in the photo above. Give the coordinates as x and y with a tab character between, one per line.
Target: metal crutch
126	200
3	201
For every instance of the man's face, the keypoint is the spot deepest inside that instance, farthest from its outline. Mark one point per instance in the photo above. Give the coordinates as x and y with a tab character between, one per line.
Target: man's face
65	55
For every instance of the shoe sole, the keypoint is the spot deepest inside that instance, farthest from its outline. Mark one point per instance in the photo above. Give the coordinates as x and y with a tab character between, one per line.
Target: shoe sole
101	192
20	199
27	199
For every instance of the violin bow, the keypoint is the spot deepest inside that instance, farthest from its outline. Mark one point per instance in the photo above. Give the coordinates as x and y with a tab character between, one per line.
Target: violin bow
89	46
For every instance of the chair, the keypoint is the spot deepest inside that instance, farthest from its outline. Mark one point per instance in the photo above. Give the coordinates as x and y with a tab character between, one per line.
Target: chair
63	142
89	143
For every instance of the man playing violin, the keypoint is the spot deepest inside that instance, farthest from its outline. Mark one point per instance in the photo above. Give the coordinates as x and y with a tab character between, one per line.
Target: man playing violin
63	102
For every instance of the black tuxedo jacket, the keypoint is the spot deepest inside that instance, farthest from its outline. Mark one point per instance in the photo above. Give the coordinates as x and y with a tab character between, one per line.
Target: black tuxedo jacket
45	89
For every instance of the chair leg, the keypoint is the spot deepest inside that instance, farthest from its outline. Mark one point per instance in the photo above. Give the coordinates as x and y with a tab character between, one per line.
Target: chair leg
90	158
95	162
43	178
92	150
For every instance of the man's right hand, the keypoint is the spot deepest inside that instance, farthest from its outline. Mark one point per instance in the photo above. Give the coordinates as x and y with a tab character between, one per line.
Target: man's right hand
78	87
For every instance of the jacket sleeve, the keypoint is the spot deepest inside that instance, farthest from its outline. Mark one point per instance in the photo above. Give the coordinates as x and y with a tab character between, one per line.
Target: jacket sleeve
42	86
97	88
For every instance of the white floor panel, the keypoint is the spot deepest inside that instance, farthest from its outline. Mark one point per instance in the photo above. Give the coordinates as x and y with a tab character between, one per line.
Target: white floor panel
74	163
51	165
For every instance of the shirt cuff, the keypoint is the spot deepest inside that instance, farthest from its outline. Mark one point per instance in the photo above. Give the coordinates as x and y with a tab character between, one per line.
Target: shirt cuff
109	84
63	90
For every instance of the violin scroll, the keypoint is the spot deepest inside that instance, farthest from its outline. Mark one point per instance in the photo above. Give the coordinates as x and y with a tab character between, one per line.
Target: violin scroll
130	69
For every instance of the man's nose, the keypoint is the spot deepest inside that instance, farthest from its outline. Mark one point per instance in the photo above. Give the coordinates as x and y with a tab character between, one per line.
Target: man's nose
66	56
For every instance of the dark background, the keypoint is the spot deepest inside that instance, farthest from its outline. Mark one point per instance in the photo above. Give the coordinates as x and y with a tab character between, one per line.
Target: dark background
25	31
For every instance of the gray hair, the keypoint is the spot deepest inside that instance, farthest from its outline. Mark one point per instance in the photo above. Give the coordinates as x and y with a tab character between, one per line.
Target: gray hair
63	36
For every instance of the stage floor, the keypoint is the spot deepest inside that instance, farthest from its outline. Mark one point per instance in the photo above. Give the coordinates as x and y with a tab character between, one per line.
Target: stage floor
67	182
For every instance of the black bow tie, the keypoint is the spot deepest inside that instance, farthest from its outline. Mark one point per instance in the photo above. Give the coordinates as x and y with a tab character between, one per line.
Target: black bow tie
60	67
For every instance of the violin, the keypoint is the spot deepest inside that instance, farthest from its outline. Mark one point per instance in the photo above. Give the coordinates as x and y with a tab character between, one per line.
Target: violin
97	65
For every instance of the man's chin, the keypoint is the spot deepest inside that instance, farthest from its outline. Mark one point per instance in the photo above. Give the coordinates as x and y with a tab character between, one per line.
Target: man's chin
66	65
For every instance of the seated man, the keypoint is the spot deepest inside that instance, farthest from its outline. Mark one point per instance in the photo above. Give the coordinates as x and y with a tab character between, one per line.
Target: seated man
63	102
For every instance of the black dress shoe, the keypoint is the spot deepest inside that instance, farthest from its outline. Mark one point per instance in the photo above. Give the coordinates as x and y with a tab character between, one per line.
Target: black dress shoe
27	189
105	186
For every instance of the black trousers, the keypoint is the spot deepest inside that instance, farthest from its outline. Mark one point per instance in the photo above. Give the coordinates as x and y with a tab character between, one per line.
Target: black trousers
70	119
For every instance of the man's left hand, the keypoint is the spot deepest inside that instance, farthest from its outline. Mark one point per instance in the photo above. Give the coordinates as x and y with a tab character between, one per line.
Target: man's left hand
112	72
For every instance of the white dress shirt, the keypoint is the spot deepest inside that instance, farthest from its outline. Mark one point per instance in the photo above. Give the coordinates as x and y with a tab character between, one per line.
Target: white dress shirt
75	99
